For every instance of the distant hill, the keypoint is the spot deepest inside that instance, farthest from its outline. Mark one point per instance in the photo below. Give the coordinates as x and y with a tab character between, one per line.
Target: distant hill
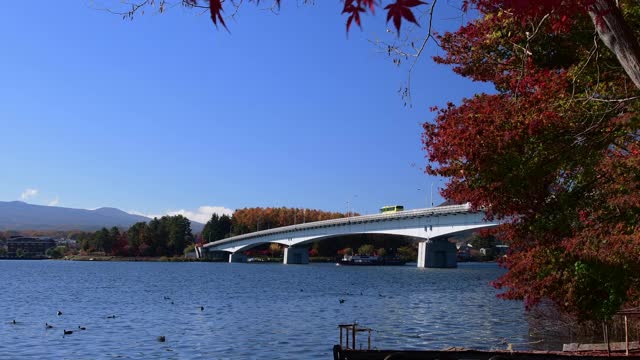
18	215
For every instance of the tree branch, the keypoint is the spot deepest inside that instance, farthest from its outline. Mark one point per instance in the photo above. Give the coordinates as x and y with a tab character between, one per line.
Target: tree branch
617	36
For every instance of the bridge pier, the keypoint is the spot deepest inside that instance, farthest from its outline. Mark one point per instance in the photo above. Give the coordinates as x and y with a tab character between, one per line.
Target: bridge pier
437	253
215	255
237	257
296	255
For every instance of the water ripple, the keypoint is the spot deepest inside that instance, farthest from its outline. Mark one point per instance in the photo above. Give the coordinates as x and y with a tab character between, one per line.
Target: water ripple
251	311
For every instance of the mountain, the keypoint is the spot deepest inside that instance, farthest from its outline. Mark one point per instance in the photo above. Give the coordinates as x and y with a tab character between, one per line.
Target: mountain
18	215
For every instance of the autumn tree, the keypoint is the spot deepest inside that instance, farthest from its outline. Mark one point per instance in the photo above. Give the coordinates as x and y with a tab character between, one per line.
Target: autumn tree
275	249
554	151
121	246
254	219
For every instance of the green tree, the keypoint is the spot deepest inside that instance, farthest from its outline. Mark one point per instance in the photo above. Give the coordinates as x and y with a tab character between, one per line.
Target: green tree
408	253
189	249
210	229
225	226
138	234
179	234
114	236
102	240
217	228
56	252
158	236
366	249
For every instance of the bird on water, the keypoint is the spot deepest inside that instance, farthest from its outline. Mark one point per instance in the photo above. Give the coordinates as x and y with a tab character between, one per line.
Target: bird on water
48	326
59	313
82	328
67	332
161	338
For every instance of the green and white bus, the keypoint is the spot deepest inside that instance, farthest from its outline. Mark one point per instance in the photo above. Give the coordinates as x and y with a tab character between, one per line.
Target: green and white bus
391	209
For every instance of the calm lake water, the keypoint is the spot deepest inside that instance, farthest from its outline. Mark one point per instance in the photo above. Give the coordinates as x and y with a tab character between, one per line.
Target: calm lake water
251	311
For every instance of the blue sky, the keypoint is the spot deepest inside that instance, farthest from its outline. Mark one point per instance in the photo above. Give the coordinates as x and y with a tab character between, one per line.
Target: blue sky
165	113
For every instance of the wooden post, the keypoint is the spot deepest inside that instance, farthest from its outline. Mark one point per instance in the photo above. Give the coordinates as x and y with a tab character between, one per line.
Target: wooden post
340	335
353	342
347	337
605	331
626	336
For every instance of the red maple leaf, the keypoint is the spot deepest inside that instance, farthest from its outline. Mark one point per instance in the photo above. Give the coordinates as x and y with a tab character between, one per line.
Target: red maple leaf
354	8
371	4
215	8
402	9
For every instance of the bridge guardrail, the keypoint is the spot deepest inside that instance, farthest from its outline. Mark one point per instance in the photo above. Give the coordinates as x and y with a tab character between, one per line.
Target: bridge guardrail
451	209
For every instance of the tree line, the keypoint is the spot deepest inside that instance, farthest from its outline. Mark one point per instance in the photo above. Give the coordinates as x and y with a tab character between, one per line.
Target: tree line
166	236
248	220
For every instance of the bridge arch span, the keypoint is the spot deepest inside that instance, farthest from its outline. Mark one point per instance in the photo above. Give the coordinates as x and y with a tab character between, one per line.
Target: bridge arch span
430	224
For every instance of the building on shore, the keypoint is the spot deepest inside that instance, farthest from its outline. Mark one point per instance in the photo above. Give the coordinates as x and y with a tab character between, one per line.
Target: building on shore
25	246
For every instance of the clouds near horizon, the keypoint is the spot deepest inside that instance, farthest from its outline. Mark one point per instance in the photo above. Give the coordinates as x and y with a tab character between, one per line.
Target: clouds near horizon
28	193
54	202
202	214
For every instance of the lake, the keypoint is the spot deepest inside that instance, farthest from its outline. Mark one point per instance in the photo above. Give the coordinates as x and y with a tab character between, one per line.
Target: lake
251	311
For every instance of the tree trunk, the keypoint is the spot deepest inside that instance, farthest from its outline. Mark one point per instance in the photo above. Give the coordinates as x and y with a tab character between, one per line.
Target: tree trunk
617	36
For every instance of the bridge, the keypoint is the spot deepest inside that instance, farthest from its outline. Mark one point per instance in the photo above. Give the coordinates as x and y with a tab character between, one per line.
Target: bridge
431	227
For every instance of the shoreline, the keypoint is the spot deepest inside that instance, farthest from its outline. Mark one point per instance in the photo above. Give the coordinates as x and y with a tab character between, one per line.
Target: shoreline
162	259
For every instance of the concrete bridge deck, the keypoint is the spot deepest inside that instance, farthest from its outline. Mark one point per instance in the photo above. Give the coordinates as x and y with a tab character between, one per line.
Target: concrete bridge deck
430	226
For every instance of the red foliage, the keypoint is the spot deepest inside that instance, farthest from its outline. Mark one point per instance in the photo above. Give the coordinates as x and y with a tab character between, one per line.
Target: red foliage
252	219
121	245
398	10
402	9
354	8
563	172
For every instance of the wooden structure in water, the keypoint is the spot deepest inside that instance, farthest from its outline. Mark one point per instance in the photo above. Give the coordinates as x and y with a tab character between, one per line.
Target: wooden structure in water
350	349
340	353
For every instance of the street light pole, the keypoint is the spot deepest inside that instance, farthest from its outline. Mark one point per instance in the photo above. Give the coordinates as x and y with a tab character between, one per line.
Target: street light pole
432	194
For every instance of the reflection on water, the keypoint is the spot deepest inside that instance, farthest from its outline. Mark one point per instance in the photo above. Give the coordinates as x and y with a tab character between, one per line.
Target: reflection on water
250	310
